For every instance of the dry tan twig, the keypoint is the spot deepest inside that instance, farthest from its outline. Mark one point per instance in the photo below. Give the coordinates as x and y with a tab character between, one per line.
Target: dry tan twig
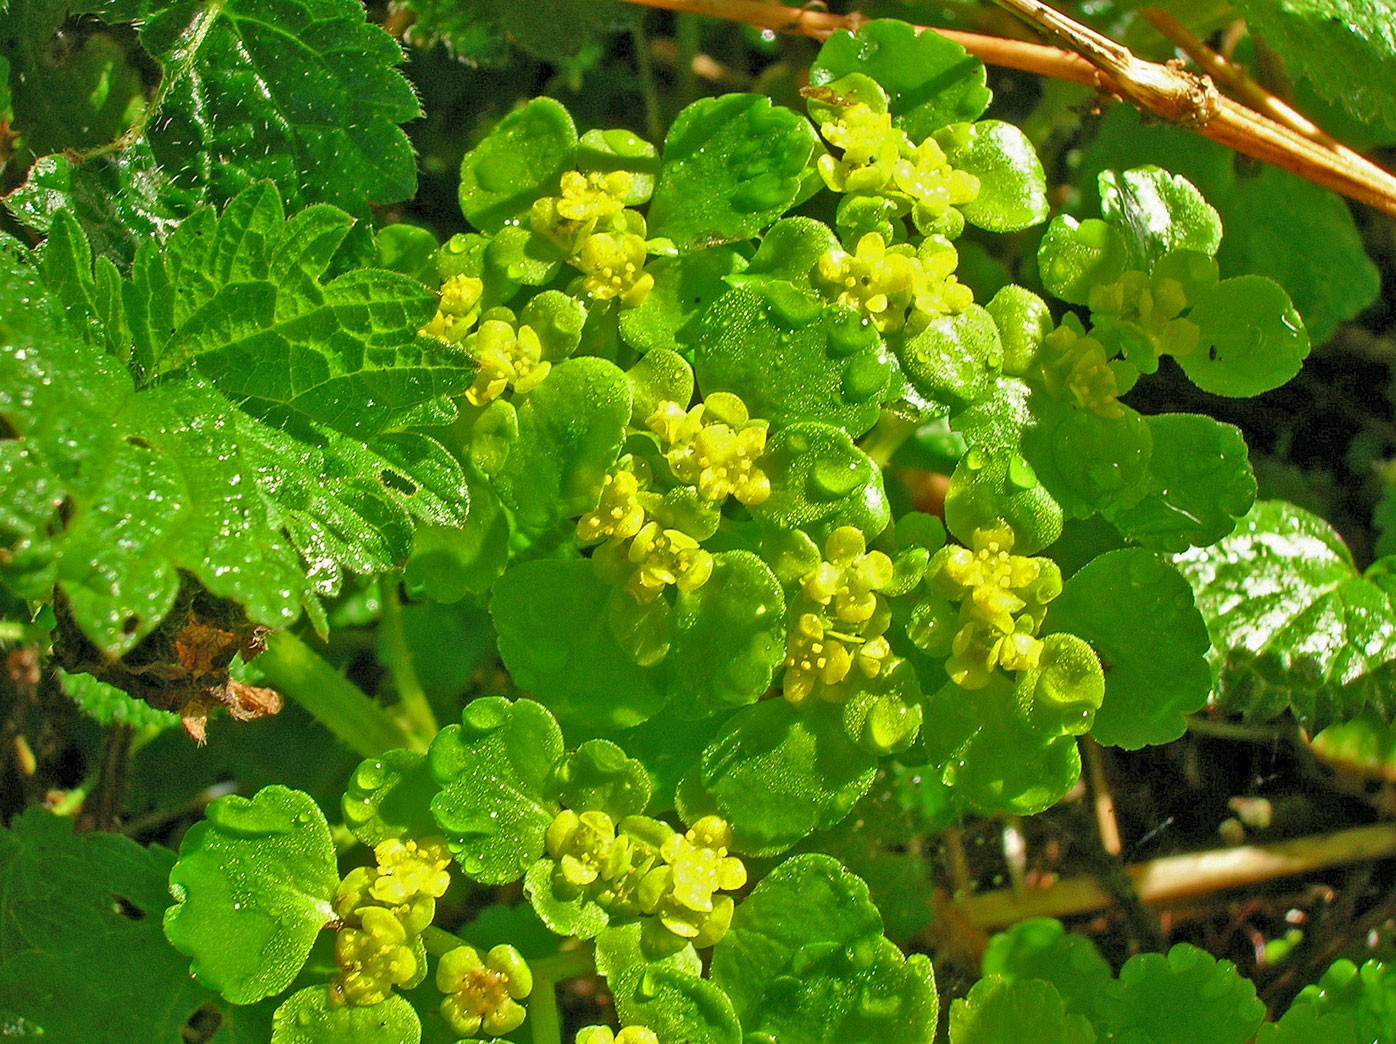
1168	91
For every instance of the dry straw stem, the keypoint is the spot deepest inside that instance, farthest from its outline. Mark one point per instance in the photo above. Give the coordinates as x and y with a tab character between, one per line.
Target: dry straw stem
1175	878
1167	91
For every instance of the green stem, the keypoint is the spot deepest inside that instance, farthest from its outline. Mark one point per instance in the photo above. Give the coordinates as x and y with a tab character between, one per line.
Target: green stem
887	437
565	964
399	657
654	123
11	631
294	669
542	1011
439	941
686	38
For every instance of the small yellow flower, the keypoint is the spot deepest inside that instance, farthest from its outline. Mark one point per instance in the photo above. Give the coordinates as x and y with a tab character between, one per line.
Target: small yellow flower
457	309
1076	364
877	282
870	147
619	515
812	657
613	267
583	845
720	457
681	891
588	197
848	577
507	357
372	959
606	1035
661	558
932	183
483	993
410	868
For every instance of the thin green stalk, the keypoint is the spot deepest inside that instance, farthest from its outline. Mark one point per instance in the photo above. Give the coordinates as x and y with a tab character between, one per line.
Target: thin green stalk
654	122
399	656
294	669
11	631
887	437
542	1011
565	964
686	39
439	942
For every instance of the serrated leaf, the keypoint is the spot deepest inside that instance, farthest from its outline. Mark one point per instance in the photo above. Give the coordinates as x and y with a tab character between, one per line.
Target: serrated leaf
1292	622
570	431
84	961
579	672
483	31
1186	997
494	769
1199	481
1364	745
120	199
776	773
1305	1025
1012	187
731	166
1137	612
308	1017
252	891
791	359
729	635
109	705
930	81
1252	338
389	796
305	92
819	481
999	1010
1341	48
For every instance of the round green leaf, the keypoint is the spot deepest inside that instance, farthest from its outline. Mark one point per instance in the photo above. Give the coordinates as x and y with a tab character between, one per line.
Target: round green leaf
1158	212
1063	692
1187	997
806	909
578	670
776	773
1075	256
308	1017
1023	320
1291	621
1365	995
987	487
730	635
1199	481
618	149
597	776
930	81
1137	612
998	1011
789	251
664	992
956	359
819	481
1089	462
1252	338
683	288
252	890
389	796
450	562
409	249
732	165
1012	187
661	375
494	769
575	913
1306	1025
570	432
520	160
790	359
1040	948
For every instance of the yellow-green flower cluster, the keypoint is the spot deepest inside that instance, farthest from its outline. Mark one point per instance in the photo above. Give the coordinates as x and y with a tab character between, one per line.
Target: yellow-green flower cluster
883	283
838	621
606	1035
878	159
509	356
1075	364
1002	600
483	992
601	237
643	867
457	308
383	910
714	446
1153	306
638	553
